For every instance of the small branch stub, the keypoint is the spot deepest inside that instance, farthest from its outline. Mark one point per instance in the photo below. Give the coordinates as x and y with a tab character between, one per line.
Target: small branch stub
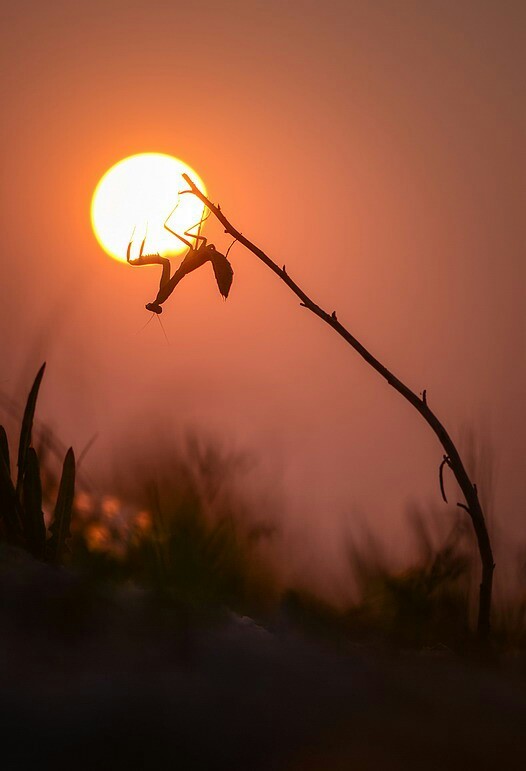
445	461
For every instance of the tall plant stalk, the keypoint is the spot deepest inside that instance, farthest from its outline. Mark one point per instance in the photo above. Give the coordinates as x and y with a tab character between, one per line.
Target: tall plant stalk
451	459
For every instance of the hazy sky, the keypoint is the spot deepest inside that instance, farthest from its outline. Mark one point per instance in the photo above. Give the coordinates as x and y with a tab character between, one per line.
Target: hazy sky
376	148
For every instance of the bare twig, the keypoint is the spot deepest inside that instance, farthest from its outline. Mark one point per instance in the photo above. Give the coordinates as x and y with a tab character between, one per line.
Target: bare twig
469	490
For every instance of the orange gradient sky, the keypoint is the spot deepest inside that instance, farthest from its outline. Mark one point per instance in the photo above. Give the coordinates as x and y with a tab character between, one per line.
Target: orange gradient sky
375	148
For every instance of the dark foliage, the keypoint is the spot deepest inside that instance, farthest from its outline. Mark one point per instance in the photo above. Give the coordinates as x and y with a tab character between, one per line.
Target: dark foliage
21	504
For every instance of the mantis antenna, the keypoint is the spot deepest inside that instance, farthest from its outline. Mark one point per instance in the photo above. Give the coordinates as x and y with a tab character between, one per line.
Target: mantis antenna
162	327
198	225
145	325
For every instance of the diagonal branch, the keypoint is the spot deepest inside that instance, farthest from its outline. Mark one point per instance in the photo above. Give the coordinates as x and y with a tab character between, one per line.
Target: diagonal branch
454	461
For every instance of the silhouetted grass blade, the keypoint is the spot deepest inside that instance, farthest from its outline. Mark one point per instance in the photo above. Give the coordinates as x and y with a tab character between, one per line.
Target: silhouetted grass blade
27	427
31	513
8	499
62	516
4	448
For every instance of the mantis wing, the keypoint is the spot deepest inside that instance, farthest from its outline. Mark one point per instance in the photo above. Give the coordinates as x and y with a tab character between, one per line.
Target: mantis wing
223	273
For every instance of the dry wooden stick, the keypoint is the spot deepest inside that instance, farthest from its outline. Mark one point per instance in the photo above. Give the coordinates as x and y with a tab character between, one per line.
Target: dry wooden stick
472	503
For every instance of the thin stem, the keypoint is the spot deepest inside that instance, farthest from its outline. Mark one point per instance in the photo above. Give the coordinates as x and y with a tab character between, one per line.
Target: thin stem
469	490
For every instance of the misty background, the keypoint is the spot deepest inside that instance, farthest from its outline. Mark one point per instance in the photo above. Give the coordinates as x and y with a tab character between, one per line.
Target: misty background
375	149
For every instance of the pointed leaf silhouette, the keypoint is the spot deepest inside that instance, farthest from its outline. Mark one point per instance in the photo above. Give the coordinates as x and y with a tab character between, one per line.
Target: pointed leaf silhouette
8	499
27	427
31	512
223	273
62	516
4	447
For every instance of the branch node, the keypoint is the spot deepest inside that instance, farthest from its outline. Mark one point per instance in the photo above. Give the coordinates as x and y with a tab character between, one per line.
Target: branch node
334	316
424	396
463	506
284	269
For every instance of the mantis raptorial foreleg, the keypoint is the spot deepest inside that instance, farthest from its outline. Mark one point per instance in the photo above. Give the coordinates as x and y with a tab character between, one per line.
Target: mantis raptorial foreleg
149	259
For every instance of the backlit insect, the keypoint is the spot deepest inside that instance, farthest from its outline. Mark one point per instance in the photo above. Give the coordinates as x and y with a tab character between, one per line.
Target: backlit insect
199	252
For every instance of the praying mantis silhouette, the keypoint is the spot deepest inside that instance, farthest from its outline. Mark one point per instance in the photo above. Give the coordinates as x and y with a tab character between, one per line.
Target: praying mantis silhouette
199	252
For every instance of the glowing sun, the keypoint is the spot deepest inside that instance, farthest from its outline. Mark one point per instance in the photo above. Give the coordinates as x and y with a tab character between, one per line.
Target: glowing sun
140	192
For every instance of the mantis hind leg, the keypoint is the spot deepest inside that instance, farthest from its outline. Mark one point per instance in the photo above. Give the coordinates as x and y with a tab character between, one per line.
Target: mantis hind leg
173	232
188	232
197	236
181	238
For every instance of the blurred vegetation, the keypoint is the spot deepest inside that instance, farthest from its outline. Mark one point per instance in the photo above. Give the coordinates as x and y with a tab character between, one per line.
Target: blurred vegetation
178	528
425	604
